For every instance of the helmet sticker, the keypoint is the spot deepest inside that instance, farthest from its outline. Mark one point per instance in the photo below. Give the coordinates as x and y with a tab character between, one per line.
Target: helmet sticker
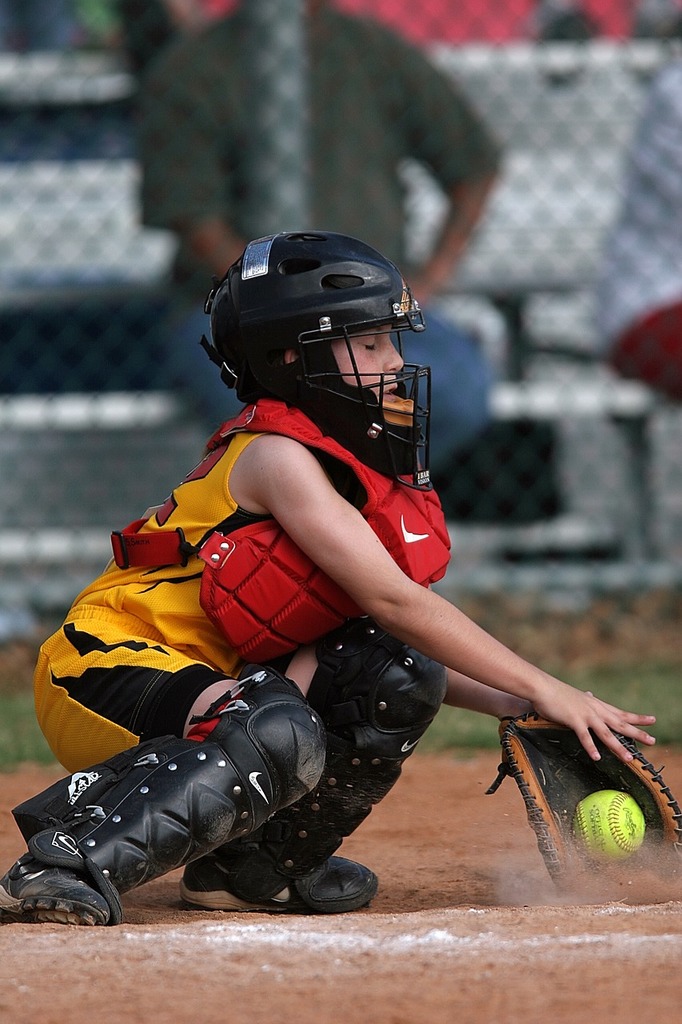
405	304
257	257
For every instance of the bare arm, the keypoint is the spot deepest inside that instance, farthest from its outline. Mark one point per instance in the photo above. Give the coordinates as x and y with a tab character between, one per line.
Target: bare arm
464	692
467	203
214	243
278	475
187	15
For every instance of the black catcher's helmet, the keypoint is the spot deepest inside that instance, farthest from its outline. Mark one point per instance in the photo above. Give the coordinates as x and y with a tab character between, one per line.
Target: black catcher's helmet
301	291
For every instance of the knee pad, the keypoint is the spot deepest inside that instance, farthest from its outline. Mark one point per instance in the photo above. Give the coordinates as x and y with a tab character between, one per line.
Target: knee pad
373	691
266	713
376	696
156	806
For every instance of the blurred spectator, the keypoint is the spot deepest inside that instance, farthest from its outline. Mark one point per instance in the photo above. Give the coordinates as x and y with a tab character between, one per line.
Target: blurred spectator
28	25
639	295
375	101
148	25
657	19
98	23
562	21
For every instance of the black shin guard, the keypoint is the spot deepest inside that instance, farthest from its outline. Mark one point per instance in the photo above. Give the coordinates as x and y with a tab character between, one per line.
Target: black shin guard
377	697
165	802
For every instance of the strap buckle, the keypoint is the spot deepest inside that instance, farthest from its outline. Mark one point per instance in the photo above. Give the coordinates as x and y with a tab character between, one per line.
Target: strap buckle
165	547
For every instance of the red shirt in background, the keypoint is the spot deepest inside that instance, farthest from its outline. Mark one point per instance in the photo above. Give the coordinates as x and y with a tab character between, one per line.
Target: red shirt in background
466	21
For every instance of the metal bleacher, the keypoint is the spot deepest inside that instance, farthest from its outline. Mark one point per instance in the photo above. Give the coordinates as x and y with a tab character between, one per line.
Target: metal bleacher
76	464
565	114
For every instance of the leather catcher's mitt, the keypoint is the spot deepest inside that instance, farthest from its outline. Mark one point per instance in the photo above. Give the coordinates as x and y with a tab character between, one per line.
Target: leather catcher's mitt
554	772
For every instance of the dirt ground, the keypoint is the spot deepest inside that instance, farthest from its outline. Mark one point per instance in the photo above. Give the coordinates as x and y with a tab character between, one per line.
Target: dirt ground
466	926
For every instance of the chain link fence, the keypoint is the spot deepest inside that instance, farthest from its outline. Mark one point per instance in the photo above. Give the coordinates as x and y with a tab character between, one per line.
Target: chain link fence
125	154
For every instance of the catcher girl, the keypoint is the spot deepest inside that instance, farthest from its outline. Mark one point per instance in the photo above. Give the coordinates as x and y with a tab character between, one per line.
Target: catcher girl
248	675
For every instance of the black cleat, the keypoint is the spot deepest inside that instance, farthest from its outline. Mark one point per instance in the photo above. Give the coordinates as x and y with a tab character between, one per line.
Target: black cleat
31	891
339	886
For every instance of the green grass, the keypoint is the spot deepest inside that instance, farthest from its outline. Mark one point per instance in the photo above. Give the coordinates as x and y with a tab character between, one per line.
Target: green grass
650	689
20	738
655	690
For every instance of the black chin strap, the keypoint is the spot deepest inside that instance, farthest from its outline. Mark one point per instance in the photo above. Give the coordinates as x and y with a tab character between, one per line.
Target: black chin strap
227	375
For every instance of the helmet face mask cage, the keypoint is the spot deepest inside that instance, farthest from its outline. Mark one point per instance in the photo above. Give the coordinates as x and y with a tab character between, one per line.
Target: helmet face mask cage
301	292
385	415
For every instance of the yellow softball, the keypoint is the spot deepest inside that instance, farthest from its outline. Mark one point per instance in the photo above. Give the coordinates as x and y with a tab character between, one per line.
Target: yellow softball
610	825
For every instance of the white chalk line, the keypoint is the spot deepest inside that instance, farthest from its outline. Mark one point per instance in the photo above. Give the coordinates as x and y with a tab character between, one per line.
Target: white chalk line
438	940
386	937
459	934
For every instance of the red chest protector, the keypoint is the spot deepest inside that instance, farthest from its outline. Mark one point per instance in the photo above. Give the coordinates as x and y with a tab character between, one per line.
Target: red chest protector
261	591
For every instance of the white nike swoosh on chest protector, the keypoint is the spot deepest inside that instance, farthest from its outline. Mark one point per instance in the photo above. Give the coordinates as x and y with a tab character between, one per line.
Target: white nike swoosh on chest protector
411	538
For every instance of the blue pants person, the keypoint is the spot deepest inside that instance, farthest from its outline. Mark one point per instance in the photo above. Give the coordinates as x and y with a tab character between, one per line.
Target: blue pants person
37	24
